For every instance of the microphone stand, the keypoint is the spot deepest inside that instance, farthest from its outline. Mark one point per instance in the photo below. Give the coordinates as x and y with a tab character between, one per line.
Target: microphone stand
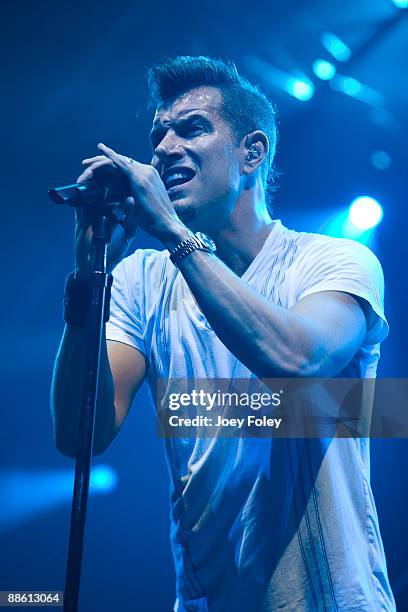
99	279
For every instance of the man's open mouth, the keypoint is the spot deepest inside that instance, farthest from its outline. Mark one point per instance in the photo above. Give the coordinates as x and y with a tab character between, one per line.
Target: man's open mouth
177	176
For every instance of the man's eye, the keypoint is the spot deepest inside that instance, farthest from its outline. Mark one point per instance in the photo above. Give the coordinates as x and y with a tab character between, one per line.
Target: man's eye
192	130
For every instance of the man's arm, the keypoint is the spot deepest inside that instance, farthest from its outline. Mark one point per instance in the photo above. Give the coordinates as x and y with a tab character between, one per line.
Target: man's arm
317	337
121	374
122	367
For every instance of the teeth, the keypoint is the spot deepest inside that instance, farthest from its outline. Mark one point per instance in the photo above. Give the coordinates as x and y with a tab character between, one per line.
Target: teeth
176	177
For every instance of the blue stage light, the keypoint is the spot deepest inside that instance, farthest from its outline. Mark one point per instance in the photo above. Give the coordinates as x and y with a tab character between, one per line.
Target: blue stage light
352	87
323	70
365	213
358	222
401	3
27	494
300	89
355	89
382	117
103	478
336	47
380	160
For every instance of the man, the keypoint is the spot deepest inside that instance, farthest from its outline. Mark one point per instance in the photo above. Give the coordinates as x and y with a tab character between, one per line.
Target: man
257	524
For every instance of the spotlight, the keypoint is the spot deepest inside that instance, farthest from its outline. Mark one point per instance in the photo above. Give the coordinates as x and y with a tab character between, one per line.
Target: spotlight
355	89
380	160
401	3
323	70
352	87
300	89
336	47
103	478
365	213
27	494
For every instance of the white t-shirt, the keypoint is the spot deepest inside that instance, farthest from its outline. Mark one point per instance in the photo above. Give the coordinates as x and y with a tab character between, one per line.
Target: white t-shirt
262	524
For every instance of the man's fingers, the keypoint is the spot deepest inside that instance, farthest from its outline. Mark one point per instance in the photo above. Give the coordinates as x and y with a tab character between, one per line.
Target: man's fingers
119	160
107	151
91	160
88	173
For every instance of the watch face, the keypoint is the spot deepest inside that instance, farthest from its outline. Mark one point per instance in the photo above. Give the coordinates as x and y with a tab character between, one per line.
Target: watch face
207	241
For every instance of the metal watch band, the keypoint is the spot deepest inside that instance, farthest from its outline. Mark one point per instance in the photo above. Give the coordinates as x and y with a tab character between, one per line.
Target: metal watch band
186	247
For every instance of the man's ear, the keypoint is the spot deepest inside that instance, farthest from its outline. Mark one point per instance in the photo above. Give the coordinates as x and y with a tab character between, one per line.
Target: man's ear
255	149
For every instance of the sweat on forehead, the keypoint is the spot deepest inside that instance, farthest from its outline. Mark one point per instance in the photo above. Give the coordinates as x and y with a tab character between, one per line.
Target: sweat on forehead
205	98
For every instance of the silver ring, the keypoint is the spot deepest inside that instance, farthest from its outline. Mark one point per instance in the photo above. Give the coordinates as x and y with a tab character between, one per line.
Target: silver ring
130	160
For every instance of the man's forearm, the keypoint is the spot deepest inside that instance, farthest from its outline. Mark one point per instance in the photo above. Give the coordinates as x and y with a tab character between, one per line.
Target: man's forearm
66	394
270	340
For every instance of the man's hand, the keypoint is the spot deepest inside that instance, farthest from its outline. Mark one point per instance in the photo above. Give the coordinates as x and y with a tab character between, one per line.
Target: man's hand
122	233
154	209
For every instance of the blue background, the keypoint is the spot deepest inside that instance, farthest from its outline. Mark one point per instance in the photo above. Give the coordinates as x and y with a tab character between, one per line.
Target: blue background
74	75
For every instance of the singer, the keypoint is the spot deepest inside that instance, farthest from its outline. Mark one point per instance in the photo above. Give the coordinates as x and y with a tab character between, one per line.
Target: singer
257	524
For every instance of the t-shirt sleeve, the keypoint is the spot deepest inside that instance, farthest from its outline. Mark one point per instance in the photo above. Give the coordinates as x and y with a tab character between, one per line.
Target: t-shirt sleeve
349	266
125	322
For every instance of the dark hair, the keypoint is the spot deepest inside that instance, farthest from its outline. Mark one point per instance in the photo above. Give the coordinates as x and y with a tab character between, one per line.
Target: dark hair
244	106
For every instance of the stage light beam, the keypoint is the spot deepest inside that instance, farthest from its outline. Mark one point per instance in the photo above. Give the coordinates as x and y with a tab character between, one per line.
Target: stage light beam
300	89
381	160
352	87
324	70
27	494
355	89
365	213
401	3
103	478
336	47
357	222
299	86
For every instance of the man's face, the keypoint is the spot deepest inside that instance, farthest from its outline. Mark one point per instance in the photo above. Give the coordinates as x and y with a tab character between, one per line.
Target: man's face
196	155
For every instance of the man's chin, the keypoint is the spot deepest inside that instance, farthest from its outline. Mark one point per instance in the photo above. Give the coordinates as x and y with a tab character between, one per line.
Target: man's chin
186	210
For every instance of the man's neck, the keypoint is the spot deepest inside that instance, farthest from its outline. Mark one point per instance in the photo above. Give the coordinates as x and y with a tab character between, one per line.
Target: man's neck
238	249
241	239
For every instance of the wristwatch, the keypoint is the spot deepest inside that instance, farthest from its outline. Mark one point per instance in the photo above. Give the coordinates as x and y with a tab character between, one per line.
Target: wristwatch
197	241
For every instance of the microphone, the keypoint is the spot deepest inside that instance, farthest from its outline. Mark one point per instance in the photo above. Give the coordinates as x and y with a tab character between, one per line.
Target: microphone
109	187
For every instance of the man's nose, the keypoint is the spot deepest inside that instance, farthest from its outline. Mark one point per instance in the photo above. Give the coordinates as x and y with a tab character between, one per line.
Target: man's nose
170	146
